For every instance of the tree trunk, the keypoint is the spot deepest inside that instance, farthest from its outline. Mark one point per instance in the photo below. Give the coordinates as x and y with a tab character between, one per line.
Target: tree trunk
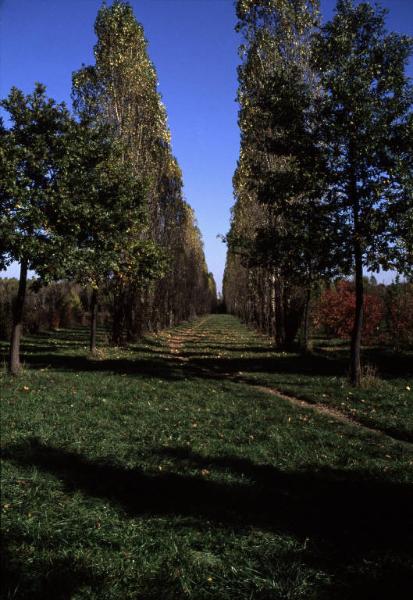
306	323
119	318
134	315
280	314
355	361
93	320
18	306
273	319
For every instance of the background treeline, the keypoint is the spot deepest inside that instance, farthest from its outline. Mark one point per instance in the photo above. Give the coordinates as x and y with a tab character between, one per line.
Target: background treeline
324	182
67	304
388	312
95	198
57	305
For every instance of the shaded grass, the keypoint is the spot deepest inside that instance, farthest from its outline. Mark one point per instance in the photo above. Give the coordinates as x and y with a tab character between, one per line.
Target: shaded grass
142	476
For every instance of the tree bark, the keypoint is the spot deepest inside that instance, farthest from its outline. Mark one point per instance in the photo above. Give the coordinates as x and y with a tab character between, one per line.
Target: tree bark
93	320
280	336
306	323
119	318
18	306
355	361
135	306
273	318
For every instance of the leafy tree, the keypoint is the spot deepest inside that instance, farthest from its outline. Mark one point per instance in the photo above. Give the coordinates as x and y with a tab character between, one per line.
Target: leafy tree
108	203
31	210
367	134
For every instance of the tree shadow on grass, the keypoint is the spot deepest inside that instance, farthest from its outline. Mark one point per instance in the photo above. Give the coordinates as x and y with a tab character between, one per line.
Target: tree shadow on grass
172	369
169	368
389	365
71	336
160	368
349	519
37	579
314	365
198	364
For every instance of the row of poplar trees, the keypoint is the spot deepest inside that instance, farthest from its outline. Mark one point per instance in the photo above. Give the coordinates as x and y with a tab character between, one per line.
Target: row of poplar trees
324	182
96	197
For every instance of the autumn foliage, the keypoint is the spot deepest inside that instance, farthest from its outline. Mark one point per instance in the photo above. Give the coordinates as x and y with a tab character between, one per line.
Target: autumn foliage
335	312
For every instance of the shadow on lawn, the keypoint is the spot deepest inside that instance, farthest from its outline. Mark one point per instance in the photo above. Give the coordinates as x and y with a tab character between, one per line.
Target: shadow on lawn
156	366
207	367
389	364
318	363
152	363
57	579
349	522
314	364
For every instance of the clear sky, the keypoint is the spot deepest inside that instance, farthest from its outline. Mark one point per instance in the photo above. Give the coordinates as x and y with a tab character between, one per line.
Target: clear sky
194	48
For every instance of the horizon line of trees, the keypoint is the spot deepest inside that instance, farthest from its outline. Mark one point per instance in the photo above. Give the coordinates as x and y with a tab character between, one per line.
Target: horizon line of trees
324	183
95	196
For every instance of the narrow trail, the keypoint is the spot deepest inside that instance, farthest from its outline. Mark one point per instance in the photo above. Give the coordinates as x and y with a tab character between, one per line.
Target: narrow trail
178	342
328	412
323	410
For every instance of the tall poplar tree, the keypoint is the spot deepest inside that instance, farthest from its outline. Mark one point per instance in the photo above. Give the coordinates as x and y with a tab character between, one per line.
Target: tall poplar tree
280	168
120	91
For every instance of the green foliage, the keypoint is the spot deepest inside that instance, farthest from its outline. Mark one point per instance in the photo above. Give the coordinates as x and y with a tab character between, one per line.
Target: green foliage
279	228
324	181
120	89
281	164
366	128
58	304
108	203
32	153
366	131
156	279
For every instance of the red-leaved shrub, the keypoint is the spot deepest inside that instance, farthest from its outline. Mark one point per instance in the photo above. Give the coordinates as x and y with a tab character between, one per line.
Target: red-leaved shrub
336	310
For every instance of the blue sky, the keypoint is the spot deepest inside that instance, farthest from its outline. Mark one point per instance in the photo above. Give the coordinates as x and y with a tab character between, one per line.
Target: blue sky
194	48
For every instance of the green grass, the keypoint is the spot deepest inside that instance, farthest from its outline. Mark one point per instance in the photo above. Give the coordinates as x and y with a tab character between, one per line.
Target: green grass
384	402
139	475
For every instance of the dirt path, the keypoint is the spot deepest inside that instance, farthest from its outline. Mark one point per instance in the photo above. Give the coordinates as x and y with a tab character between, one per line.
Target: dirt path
177	340
325	410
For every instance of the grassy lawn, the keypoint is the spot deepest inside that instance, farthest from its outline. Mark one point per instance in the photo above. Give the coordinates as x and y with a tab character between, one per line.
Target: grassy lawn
159	471
384	403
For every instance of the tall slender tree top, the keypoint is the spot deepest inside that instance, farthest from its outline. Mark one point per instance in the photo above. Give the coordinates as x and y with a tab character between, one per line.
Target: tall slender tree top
121	88
274	30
